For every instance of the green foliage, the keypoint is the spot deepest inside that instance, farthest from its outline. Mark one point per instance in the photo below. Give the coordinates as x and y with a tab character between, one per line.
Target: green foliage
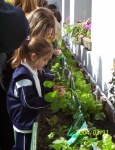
78	99
106	143
60	144
76	31
53	120
60	131
58	102
79	28
48	84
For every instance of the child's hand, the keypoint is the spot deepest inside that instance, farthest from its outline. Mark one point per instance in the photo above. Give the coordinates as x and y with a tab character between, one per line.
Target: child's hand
57	51
60	89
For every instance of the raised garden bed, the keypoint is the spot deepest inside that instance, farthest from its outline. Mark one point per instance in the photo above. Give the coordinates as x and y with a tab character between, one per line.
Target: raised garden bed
57	125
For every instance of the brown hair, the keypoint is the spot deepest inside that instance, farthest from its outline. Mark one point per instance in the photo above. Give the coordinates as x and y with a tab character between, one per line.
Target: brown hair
57	15
40	20
35	45
55	11
26	5
42	3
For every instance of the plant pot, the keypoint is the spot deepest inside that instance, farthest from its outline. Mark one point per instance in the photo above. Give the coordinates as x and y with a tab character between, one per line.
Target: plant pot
87	43
80	39
65	25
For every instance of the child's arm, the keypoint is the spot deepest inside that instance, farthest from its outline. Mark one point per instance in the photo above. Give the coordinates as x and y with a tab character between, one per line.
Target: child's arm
25	90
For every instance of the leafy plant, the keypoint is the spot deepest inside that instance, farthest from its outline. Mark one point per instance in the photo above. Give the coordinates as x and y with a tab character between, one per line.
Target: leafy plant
79	28
53	120
106	143
77	100
76	31
60	131
60	144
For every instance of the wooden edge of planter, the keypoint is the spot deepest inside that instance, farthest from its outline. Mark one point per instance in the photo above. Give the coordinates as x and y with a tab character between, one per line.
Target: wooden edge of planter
65	25
109	108
34	140
80	39
87	43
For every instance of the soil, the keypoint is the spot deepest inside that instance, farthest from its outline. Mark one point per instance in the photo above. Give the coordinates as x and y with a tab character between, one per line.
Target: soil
45	128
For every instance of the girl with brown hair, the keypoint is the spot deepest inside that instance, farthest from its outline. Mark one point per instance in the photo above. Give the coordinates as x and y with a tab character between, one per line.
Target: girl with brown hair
25	96
26	5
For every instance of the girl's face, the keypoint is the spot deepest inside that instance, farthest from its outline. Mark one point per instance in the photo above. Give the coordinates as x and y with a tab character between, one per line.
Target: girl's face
41	62
49	32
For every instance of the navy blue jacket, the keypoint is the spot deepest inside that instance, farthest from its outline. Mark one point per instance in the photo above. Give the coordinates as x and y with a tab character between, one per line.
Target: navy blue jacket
23	101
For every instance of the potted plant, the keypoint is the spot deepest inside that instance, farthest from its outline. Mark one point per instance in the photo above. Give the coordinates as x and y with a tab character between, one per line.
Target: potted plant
67	23
80	32
76	33
86	32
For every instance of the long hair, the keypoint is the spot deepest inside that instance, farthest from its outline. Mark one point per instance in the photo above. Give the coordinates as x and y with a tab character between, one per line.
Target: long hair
34	45
26	5
40	20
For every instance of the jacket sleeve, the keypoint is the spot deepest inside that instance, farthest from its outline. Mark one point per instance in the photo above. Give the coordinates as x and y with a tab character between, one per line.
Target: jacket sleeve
27	93
48	75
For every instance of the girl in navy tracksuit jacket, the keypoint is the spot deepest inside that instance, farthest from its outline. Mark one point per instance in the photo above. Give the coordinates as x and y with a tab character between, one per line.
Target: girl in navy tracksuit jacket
25	96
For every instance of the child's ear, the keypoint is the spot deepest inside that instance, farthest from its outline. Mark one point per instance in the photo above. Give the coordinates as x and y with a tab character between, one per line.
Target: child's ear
33	57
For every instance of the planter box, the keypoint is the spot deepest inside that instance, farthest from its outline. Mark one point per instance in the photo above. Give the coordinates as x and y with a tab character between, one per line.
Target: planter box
80	39
87	43
110	111
106	104
65	25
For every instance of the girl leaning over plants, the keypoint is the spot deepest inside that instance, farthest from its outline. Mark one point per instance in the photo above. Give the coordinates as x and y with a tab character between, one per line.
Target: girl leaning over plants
43	24
25	96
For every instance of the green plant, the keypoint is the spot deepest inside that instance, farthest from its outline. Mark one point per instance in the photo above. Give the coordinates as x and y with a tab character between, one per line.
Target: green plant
53	120
79	28
76	31
106	143
60	144
60	131
78	102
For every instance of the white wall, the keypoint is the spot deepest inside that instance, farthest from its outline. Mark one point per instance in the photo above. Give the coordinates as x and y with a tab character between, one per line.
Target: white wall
82	9
99	61
103	31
